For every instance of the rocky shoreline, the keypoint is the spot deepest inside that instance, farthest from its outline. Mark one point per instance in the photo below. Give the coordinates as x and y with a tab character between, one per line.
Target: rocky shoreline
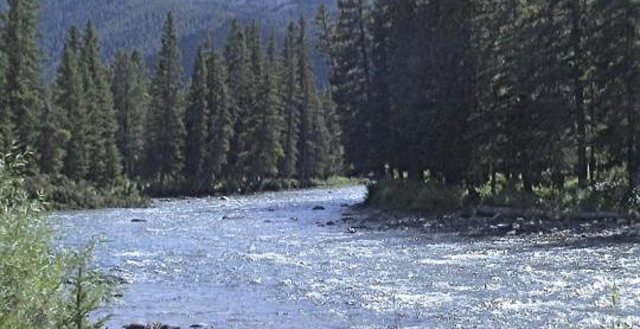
569	228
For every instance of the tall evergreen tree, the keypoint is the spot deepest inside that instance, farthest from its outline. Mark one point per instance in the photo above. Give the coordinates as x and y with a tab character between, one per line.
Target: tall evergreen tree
307	105
104	157
165	130
351	78
220	123
268	134
129	88
195	121
23	90
239	75
52	141
68	97
291	101
254	111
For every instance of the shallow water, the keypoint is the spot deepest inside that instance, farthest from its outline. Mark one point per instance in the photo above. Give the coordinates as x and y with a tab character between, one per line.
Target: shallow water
244	263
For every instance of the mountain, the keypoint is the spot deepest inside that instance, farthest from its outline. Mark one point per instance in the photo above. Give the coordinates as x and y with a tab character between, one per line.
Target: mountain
136	24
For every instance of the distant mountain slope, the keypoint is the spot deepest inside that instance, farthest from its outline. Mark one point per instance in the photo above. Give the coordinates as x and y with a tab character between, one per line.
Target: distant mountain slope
136	24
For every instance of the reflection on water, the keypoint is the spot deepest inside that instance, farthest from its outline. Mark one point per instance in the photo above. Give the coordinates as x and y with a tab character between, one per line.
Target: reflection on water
263	262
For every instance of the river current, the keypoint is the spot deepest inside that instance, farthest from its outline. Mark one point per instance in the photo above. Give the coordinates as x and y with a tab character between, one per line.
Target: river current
270	261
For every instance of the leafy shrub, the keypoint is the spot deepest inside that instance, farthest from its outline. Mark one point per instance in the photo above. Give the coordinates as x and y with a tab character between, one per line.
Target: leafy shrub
413	196
33	293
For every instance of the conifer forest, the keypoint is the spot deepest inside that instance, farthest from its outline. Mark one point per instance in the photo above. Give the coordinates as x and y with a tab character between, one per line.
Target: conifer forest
461	93
300	164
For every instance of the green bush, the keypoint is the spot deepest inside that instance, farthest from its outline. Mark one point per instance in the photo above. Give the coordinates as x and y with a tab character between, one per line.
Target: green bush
63	193
413	196
33	275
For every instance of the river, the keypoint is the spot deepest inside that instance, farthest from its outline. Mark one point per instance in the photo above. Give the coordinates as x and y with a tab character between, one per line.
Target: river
270	261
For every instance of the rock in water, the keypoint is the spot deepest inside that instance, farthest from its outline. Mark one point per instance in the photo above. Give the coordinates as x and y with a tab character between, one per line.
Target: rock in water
318	208
166	326
330	223
138	220
352	230
135	326
224	198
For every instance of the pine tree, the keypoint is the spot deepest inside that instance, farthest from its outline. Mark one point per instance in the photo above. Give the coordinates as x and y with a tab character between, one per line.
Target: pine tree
220	122
306	106
195	122
351	78
237	60
68	97
104	158
23	90
291	101
165	130
52	142
268	137
335	151
129	88
254	111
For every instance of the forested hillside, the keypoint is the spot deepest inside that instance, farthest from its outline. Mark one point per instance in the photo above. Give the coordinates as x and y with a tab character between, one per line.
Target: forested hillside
135	24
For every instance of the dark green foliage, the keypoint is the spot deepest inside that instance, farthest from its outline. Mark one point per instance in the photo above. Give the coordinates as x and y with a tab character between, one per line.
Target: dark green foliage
165	129
247	121
461	93
220	123
103	155
52	140
23	90
291	99
195	122
414	196
68	97
267	144
130	98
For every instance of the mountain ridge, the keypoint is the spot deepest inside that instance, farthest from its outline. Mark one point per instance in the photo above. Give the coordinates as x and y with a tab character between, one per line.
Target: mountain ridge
136	24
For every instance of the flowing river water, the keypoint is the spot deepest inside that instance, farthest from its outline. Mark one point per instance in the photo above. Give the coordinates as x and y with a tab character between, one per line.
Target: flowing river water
270	261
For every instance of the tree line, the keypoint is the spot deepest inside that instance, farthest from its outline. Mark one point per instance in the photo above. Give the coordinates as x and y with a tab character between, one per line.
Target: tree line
248	116
463	92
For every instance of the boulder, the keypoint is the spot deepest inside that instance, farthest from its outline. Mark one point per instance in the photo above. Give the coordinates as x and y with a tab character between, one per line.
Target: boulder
135	326
318	208
331	223
166	326
224	198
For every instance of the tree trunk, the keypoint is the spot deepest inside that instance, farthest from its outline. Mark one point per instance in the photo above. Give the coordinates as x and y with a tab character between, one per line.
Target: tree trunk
576	39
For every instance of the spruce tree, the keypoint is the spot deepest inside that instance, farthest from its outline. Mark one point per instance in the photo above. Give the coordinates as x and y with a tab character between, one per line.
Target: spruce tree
237	59
52	141
254	110
220	122
291	101
23	90
195	122
351	78
335	151
68	97
129	88
104	157
269	131
307	106
165	130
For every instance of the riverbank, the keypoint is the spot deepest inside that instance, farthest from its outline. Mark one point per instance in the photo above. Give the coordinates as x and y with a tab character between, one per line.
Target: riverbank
392	205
